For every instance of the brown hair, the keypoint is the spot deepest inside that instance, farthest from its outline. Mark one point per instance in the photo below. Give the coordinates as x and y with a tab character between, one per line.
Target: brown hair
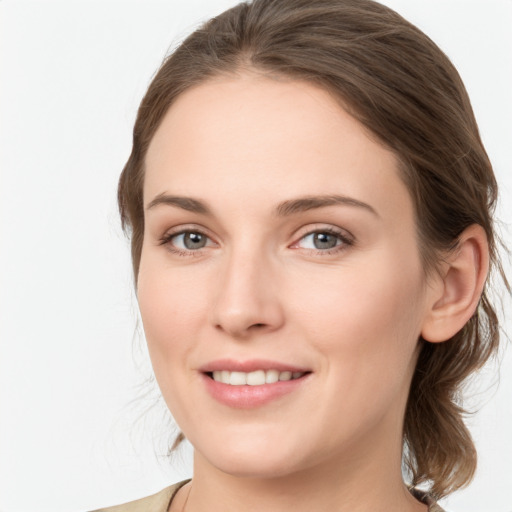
403	88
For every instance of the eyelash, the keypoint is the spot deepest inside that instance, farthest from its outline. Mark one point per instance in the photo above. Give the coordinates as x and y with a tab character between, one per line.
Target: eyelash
167	238
344	239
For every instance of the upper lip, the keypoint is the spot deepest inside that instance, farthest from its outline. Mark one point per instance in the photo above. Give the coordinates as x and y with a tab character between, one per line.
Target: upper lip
250	365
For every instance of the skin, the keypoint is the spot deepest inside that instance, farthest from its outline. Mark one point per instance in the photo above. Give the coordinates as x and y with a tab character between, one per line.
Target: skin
260	288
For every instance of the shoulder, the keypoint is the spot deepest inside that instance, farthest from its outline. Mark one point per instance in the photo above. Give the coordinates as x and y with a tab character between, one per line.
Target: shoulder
158	502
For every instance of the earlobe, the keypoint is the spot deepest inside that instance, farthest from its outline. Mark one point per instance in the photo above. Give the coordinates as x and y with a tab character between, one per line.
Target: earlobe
457	290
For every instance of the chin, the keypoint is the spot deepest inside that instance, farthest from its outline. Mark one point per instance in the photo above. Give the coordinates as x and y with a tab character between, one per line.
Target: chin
260	469
253	461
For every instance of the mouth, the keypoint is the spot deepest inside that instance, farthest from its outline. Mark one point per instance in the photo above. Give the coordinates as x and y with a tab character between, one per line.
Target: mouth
254	383
254	378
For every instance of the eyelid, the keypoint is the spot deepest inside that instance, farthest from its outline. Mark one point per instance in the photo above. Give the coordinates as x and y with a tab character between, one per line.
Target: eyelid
165	239
346	238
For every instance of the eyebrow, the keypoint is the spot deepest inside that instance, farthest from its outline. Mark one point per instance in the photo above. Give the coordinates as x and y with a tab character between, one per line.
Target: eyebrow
303	204
284	209
185	203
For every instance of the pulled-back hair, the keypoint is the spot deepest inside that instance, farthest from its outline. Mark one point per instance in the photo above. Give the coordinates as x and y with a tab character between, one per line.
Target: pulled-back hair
402	87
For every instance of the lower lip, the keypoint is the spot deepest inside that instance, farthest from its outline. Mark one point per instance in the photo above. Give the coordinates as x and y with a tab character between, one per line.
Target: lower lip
248	397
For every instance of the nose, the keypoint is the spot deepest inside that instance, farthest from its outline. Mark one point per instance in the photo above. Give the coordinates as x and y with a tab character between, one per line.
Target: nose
247	301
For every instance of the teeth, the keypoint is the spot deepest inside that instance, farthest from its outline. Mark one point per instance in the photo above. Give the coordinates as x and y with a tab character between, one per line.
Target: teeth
238	378
256	378
271	376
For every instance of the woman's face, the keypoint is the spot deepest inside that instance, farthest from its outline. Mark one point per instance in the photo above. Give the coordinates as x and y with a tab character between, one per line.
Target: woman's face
280	241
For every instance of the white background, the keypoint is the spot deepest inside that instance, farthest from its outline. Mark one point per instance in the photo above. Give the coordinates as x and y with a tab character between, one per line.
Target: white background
72	75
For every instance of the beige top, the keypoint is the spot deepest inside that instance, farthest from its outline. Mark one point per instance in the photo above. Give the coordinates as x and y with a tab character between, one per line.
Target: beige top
158	502
161	501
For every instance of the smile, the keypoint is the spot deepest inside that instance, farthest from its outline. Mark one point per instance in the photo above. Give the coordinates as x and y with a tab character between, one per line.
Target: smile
252	383
254	378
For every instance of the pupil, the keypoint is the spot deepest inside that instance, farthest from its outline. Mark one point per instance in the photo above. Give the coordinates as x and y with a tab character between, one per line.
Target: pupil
194	240
324	241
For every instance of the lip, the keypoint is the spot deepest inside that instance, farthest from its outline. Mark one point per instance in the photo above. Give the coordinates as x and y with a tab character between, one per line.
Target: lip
250	366
249	397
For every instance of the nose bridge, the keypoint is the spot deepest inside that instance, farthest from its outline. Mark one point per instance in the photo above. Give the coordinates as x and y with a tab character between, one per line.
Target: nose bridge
246	298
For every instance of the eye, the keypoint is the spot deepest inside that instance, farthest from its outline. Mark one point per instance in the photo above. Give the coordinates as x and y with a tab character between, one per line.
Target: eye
324	240
320	241
185	242
190	240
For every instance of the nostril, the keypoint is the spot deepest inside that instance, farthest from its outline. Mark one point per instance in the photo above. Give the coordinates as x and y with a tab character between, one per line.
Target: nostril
258	326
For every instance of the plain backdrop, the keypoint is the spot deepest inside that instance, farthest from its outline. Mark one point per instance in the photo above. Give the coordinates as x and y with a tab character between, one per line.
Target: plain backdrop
73	433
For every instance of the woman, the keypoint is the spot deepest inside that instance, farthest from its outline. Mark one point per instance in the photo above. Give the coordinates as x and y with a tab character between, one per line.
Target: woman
310	209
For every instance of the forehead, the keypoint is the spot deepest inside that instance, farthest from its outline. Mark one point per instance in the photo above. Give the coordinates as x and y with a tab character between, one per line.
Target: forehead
250	135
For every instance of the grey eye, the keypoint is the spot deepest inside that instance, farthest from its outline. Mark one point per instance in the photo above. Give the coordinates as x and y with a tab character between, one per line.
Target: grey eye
325	240
320	240
194	240
190	240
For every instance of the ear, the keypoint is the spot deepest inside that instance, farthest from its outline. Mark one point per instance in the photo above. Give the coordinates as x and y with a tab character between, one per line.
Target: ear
457	290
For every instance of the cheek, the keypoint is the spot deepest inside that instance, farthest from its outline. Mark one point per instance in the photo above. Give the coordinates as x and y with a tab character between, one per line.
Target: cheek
171	314
171	309
366	328
366	319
